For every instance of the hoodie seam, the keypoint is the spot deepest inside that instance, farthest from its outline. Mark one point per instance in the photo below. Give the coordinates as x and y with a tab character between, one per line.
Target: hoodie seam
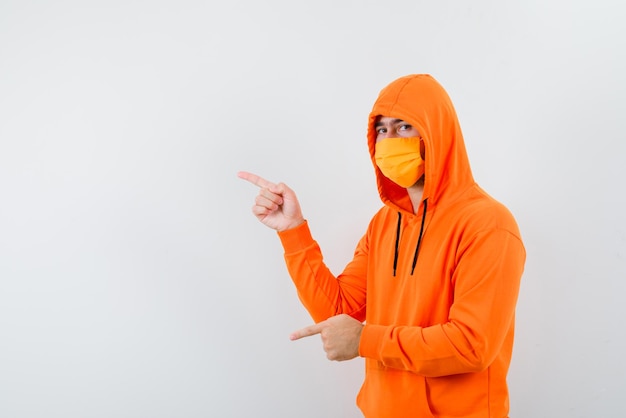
396	99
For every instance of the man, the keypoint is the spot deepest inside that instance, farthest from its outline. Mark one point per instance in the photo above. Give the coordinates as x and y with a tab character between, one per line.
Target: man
435	277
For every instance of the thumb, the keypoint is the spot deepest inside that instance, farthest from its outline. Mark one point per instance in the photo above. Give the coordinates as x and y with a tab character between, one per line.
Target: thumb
280	189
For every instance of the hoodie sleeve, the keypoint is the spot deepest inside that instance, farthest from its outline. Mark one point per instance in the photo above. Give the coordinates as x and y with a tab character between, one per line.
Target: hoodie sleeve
486	284
321	293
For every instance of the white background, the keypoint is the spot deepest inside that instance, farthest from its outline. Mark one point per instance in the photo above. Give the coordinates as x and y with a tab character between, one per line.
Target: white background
135	282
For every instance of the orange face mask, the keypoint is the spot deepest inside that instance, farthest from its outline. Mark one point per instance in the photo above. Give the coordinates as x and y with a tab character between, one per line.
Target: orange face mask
400	160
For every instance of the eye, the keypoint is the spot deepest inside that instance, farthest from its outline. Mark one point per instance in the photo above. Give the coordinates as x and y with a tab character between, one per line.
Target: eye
381	130
405	127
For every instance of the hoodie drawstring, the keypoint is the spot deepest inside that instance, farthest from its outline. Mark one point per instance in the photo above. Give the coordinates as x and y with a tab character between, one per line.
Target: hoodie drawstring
395	255
419	240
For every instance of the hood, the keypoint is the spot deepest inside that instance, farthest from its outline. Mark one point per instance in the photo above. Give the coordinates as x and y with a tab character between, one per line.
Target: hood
421	101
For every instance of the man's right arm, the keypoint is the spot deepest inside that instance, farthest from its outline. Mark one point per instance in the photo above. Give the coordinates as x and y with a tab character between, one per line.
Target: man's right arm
321	293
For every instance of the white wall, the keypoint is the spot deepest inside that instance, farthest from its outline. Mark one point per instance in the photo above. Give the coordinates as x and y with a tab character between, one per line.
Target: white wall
134	281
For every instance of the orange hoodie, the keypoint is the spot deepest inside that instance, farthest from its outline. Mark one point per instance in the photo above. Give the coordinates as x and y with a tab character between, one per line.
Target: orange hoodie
438	336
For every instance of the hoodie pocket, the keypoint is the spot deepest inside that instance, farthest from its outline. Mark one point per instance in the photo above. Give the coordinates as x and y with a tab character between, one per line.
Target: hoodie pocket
462	395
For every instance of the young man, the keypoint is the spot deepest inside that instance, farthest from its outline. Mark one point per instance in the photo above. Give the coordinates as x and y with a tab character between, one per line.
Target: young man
435	277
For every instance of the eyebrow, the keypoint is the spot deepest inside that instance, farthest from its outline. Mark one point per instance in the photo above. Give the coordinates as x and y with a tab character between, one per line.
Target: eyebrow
393	122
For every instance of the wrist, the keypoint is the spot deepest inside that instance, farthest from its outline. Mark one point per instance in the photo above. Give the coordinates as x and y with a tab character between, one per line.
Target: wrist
292	225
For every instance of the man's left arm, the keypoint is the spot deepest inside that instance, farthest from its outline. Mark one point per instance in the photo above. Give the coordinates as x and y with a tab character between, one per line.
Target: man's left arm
486	287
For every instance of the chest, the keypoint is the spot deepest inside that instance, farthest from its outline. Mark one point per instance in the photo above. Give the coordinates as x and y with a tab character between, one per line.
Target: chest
419	294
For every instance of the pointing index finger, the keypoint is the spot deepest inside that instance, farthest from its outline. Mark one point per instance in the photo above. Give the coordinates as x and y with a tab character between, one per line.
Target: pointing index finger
254	179
307	332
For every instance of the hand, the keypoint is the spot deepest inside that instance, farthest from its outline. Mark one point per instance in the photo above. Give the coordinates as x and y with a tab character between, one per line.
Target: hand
276	205
341	335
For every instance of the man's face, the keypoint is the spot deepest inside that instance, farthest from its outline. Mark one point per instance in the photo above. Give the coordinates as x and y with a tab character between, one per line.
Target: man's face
387	127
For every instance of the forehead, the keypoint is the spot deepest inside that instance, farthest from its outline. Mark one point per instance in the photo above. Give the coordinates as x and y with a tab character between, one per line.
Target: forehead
386	120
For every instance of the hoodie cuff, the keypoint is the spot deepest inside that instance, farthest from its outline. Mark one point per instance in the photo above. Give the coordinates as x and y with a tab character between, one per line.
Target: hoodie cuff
296	239
371	339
